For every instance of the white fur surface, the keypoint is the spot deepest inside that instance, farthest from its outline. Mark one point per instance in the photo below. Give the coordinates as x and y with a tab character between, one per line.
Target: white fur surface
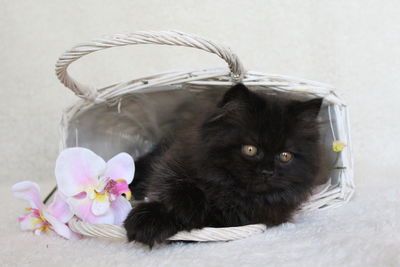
353	45
364	232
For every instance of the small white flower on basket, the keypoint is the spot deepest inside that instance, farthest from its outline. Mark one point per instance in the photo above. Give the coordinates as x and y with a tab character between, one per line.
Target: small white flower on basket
41	218
94	188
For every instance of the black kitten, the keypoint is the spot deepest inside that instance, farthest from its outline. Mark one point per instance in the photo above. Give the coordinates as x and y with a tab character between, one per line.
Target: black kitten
253	159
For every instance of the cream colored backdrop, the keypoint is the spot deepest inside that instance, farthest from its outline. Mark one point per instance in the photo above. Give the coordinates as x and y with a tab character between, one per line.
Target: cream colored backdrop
351	44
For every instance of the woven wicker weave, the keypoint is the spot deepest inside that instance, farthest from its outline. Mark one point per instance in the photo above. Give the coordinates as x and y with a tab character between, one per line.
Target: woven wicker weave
126	117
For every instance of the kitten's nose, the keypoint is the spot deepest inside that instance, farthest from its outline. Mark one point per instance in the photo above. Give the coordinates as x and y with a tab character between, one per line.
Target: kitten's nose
267	172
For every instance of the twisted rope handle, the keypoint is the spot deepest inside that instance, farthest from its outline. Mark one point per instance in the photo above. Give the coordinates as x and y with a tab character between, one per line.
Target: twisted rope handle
172	38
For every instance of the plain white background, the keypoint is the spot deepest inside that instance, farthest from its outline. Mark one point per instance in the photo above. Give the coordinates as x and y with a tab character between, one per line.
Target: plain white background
353	45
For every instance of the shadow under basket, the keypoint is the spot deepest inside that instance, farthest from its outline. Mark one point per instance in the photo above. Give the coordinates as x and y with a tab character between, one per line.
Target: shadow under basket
132	117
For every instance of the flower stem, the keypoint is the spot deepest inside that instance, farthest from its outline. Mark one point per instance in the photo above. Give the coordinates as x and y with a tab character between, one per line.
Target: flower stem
49	195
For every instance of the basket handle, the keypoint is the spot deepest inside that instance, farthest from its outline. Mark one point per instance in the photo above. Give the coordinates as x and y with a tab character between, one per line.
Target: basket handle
172	38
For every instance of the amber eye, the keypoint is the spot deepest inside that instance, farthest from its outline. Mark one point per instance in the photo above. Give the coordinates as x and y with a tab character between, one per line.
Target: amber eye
285	157
249	150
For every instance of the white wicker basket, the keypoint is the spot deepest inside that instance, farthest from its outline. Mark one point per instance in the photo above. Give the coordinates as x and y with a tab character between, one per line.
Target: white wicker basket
120	117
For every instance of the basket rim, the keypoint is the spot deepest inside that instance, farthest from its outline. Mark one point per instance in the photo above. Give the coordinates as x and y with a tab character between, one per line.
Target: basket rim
205	234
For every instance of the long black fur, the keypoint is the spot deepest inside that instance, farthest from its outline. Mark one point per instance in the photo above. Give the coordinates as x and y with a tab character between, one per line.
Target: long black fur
200	177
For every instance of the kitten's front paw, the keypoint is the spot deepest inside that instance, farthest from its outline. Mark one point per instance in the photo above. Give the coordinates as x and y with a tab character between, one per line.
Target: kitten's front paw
149	223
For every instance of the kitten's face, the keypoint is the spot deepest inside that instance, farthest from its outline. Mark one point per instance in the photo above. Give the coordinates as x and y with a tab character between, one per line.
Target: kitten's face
263	142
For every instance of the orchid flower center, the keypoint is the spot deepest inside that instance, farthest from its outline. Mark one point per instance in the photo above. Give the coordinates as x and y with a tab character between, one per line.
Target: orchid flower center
109	189
39	223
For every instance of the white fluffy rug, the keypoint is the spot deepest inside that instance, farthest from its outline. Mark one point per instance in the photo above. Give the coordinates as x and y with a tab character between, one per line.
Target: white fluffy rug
364	232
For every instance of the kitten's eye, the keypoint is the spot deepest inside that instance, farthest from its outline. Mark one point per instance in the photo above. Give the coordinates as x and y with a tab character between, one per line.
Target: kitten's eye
285	157
249	150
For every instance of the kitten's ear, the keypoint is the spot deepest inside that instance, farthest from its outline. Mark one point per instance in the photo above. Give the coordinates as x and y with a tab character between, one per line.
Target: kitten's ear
231	103
306	109
237	92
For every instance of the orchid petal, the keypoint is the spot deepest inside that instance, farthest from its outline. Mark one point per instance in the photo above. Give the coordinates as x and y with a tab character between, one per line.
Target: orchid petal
26	222
38	231
120	166
77	168
59	227
29	191
121	208
101	204
82	208
75	236
60	209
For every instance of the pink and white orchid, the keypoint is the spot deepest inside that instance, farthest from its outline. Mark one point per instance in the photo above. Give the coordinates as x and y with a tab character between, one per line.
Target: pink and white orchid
41	218
93	187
